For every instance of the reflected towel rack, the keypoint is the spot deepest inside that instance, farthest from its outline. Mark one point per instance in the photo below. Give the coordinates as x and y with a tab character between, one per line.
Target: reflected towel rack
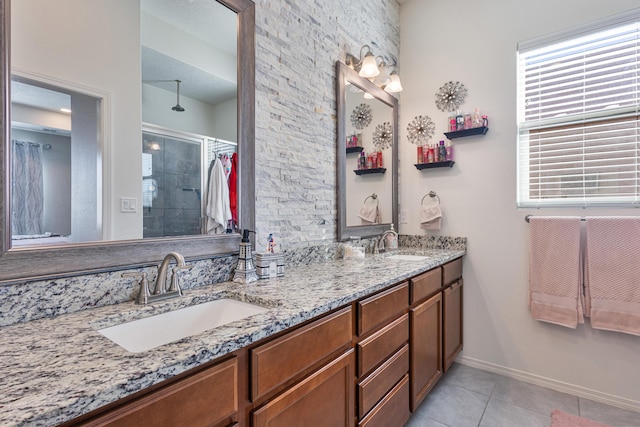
374	196
528	217
430	194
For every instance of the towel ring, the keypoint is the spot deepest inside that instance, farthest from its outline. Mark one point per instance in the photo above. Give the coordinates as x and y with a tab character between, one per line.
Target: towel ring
430	194
374	196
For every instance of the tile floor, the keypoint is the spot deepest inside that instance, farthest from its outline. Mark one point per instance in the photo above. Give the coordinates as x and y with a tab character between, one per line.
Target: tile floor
469	397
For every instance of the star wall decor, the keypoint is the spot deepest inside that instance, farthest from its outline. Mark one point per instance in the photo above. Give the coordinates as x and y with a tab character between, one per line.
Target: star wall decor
450	96
361	116
383	136
420	130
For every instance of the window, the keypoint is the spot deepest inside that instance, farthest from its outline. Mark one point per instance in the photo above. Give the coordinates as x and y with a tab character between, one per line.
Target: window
579	116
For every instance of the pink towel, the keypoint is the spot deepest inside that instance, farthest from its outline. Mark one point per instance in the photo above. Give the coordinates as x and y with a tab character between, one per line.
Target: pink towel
612	273
555	273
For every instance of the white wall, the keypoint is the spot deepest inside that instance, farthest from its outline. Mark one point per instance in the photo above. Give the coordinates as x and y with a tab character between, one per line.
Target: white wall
108	61
224	120
475	43
156	109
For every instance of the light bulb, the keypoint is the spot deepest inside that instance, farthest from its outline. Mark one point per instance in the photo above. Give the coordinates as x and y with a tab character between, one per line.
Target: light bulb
394	85
369	67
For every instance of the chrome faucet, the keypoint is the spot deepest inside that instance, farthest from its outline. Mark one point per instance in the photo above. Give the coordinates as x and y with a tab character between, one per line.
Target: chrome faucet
160	290
161	282
382	242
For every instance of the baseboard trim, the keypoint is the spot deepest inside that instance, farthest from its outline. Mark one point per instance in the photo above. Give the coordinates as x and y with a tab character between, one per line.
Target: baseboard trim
609	399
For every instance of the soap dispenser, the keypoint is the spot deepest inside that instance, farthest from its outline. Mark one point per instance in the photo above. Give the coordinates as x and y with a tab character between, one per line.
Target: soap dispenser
391	239
245	270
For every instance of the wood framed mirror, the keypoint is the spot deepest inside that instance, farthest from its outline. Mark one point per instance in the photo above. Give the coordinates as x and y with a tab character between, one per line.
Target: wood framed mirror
19	264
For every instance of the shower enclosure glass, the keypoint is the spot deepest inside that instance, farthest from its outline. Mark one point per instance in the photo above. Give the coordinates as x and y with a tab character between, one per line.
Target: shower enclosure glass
174	181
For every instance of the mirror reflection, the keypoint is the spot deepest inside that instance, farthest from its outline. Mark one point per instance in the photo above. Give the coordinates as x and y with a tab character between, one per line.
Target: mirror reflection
121	161
367	156
368	153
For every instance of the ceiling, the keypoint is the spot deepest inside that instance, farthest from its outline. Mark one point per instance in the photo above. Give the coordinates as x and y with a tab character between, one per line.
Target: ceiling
206	20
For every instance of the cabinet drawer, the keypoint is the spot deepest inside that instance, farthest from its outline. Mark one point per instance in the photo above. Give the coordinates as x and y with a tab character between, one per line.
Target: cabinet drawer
324	399
376	385
393	410
381	307
452	271
375	349
203	399
282	359
426	284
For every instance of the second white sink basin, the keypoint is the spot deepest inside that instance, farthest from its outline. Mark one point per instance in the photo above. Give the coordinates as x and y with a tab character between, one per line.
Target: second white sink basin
151	332
408	257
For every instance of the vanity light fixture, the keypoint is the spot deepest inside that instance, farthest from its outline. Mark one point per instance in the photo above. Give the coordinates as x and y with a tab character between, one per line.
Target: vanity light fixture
65	110
379	73
366	65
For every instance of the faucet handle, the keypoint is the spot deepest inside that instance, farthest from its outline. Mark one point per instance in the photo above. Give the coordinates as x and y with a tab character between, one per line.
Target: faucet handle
175	284
143	294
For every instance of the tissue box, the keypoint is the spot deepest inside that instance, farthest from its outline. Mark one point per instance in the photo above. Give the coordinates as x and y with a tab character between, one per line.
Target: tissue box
269	265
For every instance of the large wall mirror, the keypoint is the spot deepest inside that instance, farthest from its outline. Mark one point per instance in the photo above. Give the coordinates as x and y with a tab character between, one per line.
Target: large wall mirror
367	156
153	93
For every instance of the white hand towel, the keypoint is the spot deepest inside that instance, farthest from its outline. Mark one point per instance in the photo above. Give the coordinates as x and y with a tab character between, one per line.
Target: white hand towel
431	214
369	213
218	205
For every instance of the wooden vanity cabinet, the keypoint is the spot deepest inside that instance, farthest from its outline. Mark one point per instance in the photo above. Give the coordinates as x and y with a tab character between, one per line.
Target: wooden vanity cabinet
452	311
370	363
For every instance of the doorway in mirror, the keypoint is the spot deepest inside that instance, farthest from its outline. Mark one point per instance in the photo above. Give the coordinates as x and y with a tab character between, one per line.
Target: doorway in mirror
56	192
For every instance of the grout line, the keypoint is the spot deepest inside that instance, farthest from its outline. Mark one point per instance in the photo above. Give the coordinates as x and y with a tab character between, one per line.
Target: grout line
487	405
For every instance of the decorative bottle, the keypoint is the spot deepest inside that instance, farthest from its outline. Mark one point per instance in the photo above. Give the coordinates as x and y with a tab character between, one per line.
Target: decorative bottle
442	152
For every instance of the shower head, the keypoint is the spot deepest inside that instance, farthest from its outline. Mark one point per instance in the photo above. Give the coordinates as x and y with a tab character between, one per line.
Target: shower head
178	107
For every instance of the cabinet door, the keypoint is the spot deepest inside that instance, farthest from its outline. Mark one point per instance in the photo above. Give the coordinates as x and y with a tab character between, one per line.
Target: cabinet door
425	347
325	398
452	324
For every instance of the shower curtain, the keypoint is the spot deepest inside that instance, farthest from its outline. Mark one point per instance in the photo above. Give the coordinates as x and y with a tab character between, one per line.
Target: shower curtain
26	189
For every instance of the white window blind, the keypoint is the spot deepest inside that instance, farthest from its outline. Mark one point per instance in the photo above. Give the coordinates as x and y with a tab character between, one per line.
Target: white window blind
579	117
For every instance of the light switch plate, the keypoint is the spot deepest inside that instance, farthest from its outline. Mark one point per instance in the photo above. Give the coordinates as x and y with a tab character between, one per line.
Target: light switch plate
403	217
128	204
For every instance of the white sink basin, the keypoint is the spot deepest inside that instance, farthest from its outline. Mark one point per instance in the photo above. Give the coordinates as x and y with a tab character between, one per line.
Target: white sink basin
408	257
151	332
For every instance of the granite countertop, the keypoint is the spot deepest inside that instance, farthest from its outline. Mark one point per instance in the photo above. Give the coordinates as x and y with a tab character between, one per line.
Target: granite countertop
59	368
